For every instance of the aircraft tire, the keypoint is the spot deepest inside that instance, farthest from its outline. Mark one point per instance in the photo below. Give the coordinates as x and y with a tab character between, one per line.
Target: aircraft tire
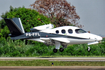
55	50
61	49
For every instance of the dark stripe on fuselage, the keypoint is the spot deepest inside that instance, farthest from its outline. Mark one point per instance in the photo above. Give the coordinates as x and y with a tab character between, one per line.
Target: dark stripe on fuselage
52	35
58	35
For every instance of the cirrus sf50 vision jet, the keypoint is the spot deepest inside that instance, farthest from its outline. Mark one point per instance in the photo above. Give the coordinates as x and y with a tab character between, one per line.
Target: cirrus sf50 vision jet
60	36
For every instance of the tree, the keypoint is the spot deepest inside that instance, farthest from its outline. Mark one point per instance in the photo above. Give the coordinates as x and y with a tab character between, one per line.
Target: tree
30	18
60	12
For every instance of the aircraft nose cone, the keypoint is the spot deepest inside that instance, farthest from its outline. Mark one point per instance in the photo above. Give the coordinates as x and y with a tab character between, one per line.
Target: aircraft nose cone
99	38
95	37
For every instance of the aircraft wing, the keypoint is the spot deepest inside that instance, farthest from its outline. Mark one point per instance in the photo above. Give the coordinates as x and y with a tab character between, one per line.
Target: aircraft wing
57	39
93	43
65	40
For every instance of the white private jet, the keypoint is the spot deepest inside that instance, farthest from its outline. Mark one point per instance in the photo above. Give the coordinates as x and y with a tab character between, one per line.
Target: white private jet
52	36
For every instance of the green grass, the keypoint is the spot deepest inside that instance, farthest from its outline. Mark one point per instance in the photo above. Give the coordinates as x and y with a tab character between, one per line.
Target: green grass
49	63
18	48
65	56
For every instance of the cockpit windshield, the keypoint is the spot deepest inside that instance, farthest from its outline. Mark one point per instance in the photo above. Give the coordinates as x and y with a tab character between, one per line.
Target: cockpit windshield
80	31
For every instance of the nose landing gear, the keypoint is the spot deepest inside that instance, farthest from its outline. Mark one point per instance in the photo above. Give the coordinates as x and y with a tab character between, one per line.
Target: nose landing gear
88	49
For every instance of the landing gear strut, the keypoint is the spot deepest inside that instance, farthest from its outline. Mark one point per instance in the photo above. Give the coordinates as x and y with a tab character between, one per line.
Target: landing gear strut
89	49
57	47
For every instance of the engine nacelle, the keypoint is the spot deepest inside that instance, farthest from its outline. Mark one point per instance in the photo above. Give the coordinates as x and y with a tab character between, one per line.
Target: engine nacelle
42	27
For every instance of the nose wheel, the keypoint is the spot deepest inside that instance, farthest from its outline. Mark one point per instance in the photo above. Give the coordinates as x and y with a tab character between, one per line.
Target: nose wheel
88	49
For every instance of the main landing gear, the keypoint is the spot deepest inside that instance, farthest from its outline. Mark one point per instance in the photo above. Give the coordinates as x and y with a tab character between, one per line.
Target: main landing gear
61	49
57	47
55	50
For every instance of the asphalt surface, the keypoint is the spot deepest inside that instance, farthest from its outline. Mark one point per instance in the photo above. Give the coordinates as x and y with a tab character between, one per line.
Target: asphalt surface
52	67
56	58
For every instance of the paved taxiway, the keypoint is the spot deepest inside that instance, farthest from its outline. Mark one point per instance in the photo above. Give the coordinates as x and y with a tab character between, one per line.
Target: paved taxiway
52	67
56	58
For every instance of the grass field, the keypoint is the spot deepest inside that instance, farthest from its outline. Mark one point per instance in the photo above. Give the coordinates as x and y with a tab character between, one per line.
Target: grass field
18	48
49	63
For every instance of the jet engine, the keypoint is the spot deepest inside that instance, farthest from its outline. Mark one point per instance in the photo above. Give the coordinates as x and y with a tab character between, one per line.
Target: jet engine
42	27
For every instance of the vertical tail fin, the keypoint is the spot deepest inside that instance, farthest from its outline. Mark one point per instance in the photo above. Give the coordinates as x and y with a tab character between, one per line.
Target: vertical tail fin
15	26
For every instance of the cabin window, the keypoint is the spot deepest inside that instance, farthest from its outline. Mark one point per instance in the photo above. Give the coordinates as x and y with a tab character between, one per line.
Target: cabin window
80	31
63	31
57	31
70	31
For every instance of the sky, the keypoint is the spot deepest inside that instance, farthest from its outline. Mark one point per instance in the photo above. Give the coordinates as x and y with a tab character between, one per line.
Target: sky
91	12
